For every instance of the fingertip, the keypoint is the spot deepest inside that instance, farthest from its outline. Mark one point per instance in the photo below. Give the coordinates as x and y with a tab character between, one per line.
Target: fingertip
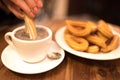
39	3
31	15
35	10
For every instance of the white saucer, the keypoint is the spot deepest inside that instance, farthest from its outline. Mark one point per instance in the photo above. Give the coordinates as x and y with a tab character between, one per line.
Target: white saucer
13	62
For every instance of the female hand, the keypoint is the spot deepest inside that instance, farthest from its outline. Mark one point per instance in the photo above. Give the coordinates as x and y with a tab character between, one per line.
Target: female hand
17	7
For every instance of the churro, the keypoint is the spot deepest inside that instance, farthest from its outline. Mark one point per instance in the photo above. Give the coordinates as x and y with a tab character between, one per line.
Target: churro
78	28
30	27
104	28
76	43
89	37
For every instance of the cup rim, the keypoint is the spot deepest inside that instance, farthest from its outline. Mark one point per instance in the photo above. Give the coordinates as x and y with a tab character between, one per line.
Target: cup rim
33	41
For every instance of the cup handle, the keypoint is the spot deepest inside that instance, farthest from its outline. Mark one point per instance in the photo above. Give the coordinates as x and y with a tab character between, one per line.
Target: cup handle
8	38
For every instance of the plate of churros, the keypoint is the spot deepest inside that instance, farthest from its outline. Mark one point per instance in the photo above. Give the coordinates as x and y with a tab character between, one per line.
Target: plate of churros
91	40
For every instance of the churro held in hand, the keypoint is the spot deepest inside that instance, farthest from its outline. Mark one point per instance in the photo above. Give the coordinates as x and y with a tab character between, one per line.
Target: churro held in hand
30	27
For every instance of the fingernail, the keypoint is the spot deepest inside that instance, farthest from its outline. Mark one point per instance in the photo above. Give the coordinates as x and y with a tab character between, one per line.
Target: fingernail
39	3
35	10
32	15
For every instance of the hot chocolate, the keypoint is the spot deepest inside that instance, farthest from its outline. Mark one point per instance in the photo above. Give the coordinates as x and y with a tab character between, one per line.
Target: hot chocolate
21	34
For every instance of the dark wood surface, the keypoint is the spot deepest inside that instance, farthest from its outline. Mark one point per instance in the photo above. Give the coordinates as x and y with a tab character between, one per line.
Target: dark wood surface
72	67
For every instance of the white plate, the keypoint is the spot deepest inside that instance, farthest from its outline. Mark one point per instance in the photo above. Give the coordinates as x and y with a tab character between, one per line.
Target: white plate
100	56
13	62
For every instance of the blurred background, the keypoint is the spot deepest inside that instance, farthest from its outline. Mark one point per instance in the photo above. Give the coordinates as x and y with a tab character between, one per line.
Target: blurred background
107	10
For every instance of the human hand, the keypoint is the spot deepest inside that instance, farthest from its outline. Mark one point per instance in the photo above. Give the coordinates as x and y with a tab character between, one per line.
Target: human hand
30	7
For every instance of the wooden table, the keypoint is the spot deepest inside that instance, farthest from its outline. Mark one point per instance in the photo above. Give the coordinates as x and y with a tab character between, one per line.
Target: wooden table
72	67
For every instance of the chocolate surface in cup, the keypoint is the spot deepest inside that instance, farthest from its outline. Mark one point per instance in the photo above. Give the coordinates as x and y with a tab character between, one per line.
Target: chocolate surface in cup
21	34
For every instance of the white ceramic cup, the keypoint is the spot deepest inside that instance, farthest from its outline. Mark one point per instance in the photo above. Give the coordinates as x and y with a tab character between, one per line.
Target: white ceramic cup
30	51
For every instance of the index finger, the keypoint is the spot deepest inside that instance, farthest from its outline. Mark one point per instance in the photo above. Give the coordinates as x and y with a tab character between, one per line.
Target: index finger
39	3
22	4
33	6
